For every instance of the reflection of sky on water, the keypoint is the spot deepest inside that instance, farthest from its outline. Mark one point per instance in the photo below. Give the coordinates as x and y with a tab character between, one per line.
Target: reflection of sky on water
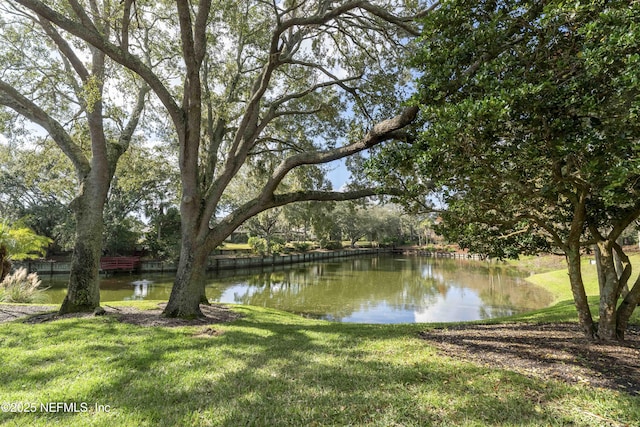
460	303
364	289
429	273
235	293
380	313
141	289
457	303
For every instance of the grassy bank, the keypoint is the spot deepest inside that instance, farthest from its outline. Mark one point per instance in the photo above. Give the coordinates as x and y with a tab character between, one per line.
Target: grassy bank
557	280
275	368
272	368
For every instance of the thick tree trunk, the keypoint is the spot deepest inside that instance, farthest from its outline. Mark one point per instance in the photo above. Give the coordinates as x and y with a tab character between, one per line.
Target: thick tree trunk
579	294
608	294
83	292
189	286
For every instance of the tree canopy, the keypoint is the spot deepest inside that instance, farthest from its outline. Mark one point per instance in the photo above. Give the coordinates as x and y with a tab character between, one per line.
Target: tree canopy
531	134
277	89
36	187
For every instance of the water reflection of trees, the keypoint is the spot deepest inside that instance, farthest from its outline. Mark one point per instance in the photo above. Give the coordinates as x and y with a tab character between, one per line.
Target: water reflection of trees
340	289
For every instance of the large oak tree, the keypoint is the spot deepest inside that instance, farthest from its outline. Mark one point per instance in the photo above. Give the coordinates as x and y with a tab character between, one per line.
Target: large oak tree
275	86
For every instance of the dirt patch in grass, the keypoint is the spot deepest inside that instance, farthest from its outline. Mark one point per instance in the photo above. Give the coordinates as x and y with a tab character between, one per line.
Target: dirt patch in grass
214	313
547	351
10	312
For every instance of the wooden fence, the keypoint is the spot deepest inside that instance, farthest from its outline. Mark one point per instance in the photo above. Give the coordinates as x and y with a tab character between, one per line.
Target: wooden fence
432	254
119	263
215	263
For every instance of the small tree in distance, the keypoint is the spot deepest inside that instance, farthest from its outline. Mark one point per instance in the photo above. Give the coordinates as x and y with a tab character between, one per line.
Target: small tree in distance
18	243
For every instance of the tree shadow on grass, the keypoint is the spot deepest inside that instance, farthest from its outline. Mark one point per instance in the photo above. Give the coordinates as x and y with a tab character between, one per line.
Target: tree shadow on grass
260	373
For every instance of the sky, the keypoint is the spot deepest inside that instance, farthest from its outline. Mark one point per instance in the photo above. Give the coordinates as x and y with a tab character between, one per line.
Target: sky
338	174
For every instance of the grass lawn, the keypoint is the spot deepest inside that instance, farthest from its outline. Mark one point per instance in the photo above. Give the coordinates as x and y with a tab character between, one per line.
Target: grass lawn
228	246
557	281
272	369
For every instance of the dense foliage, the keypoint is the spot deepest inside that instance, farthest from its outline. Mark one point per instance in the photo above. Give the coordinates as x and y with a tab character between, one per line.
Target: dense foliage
531	129
18	242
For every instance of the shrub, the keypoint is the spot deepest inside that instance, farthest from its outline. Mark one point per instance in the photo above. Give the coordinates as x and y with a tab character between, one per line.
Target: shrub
331	245
276	246
22	288
301	246
258	245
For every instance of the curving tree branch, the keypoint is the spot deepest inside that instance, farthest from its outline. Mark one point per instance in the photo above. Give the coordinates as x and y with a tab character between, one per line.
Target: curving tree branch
13	99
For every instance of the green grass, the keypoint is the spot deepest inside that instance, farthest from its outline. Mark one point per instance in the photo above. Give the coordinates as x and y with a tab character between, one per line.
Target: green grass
228	246
538	263
274	368
557	281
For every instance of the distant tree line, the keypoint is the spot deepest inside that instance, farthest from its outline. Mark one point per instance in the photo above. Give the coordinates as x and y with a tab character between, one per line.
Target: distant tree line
142	216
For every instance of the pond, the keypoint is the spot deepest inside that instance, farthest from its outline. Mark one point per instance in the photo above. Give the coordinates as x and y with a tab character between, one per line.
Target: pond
374	289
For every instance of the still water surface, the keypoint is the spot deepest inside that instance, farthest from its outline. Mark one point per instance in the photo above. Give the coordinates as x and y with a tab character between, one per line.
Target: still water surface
377	289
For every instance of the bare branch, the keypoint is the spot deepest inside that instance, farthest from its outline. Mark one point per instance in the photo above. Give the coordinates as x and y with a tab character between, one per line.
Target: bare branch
275	104
333	13
85	21
430	9
65	49
515	233
134	119
126	20
297	112
335	81
557	240
381	13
